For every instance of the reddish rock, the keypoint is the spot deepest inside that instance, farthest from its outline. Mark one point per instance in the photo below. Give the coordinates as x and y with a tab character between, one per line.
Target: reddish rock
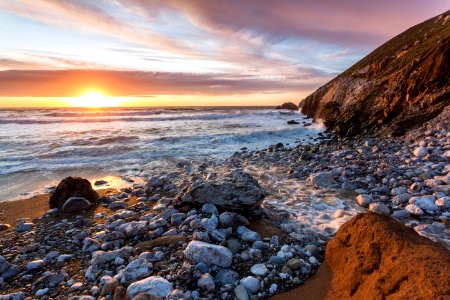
400	85
376	257
72	187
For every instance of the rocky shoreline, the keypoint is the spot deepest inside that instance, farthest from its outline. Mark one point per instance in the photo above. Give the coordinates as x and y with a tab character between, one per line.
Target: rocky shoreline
213	231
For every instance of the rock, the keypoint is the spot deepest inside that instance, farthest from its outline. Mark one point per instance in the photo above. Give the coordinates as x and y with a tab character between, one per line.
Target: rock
227	276
414	210
210	209
237	192
134	228
4	226
100	182
277	260
292	122
234	246
109	287
7	270
90	245
162	241
294	263
41	292
386	95
420	151
120	293
72	187
118	205
364	200
206	282
379	208
248	235
360	265
76	286
25	226
147	296
230	219
209	254
135	270
400	214
288	106
52	279
35	264
240	293
153	285
313	249
322	179
102	257
425	202
75	204
251	284
259	270
13	296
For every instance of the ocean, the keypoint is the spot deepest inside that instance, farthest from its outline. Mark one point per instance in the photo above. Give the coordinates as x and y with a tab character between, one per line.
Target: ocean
39	147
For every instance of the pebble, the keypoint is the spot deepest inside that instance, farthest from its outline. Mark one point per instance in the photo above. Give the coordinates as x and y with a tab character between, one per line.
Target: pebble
259	270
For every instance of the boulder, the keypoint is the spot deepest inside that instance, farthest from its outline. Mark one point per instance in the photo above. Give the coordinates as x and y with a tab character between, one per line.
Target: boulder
72	187
75	204
292	122
287	105
376	257
237	192
209	254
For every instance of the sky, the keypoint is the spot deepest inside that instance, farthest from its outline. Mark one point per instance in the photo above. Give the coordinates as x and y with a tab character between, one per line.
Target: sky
190	52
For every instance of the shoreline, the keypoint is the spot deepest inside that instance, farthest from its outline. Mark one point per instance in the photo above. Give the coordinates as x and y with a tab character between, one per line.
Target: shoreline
382	171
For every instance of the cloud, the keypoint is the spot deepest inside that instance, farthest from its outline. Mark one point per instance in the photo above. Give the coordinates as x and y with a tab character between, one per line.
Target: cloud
65	83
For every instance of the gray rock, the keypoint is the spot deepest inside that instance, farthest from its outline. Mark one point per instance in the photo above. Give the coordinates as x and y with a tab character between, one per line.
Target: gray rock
295	263
227	276
25	226
247	234
234	246
75	204
210	209
313	249
154	285
322	179
414	210
135	270
7	270
400	214
209	254
52	279
90	245
240	293
251	284
420	151
134	228
425	202
277	260
230	219
259	270
35	264
102	257
237	192
206	282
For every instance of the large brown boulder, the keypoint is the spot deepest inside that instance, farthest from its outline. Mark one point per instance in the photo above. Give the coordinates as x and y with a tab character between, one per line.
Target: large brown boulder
375	257
72	187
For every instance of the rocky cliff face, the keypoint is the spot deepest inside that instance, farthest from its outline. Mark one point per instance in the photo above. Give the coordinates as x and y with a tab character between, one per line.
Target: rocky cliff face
401	84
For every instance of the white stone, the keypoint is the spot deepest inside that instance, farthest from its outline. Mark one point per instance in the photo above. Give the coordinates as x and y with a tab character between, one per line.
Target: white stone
364	200
259	269
414	209
135	270
154	285
209	254
379	208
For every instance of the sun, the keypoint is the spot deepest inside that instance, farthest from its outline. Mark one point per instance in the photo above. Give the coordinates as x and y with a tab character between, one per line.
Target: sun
94	99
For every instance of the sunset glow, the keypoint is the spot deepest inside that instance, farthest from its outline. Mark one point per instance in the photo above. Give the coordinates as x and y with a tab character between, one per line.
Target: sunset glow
95	99
147	51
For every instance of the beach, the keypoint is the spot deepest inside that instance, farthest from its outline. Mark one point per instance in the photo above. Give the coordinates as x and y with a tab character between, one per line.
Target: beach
296	199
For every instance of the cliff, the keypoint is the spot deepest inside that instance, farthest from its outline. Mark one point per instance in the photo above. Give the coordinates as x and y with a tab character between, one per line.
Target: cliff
400	85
